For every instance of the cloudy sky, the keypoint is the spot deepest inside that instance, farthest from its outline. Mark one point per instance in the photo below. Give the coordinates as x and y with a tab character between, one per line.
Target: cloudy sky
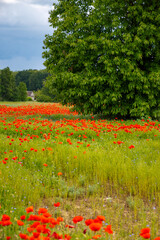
23	25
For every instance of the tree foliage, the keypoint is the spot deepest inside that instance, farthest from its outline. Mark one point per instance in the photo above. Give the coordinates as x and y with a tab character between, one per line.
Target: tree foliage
8	87
22	92
32	78
45	94
104	56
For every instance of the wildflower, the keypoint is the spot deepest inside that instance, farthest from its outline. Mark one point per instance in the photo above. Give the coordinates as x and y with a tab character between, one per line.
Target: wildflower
5	217
88	222
47	215
145	233
57	204
85	230
70	226
23	217
6	223
44	219
56	236
60	219
29	229
7	238
45	164
23	236
157	238
40	228
59	174
77	219
20	223
68	237
101	218
29	209
96	236
108	229
95	226
36	234
42	210
131	146
119	142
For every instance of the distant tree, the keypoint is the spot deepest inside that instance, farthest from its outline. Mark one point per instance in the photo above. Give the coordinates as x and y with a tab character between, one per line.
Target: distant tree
23	76
0	87
22	91
104	56
36	80
45	94
8	87
32	78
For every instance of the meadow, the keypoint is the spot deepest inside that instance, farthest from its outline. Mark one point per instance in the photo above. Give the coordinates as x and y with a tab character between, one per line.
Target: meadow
69	176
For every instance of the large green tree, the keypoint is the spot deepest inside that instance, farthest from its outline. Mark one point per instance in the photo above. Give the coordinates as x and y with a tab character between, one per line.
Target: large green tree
104	56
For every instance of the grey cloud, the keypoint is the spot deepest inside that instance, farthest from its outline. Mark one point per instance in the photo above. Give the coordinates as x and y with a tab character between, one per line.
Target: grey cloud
24	14
23	25
16	42
22	63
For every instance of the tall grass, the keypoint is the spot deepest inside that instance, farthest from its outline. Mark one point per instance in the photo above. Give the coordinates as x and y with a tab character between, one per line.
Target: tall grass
100	175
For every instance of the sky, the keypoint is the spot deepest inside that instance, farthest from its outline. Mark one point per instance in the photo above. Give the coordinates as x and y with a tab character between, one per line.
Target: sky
23	26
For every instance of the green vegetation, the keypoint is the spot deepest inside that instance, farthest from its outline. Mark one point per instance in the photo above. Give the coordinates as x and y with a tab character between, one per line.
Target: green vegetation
109	168
32	78
103	56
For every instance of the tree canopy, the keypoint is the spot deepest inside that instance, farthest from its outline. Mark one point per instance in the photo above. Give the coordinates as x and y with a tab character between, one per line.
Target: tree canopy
104	56
32	78
7	85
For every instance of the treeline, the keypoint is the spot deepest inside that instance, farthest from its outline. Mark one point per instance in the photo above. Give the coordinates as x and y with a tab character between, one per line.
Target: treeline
32	78
14	85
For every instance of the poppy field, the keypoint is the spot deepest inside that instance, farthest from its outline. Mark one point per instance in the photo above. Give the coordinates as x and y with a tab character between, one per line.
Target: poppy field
68	176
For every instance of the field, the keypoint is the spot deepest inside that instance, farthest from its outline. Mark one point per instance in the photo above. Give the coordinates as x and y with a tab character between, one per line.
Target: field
64	175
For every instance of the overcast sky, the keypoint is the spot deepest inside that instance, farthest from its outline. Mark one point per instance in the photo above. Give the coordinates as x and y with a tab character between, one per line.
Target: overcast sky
23	25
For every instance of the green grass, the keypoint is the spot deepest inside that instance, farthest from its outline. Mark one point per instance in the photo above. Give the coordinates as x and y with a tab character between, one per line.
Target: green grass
102	178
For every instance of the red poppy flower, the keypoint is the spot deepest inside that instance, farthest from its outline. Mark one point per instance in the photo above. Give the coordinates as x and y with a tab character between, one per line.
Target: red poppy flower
5	217
68	237
70	226
45	164
145	233
6	223
96	236
59	174
42	210
88	222
40	228
20	223
23	217
29	209
23	236
95	226
77	219
101	218
57	204
60	219
131	146
108	229
36	234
